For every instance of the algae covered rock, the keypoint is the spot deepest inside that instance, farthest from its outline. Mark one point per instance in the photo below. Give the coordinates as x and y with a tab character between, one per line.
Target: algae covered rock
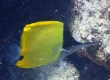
92	23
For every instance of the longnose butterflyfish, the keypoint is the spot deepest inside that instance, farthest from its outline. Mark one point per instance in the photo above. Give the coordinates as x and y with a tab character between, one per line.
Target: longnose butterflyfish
44	42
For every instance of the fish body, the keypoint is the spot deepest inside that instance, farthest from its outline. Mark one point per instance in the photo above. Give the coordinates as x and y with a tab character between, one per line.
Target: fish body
45	42
41	43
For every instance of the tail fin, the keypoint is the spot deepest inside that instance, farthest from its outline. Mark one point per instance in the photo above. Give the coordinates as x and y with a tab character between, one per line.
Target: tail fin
13	53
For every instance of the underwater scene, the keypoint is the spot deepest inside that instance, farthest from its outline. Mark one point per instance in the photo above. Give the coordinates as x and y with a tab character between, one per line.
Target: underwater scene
55	40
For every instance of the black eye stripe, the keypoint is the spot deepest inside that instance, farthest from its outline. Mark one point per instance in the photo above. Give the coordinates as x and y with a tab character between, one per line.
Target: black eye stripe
21	57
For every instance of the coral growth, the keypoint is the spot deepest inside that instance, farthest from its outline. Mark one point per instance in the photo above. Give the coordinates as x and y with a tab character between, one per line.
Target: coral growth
92	23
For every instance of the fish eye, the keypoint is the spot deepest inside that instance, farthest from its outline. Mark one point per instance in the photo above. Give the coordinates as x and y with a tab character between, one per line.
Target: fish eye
21	57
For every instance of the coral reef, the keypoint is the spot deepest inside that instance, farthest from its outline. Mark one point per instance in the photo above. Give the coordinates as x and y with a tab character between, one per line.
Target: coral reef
60	70
92	23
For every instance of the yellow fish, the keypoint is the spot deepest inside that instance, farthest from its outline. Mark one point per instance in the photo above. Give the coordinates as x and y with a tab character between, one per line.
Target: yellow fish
42	43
